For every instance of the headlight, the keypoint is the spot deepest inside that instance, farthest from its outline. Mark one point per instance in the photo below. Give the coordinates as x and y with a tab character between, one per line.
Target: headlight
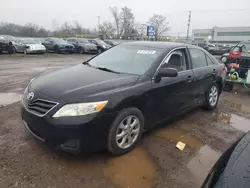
80	109
103	46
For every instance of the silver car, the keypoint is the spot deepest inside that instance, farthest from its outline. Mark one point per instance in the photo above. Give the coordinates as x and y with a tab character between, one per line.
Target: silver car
28	46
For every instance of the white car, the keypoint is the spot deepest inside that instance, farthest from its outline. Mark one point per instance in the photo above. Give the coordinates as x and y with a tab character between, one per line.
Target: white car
28	46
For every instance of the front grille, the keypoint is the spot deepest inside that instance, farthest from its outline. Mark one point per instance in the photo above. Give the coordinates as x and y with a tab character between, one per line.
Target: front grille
40	107
69	47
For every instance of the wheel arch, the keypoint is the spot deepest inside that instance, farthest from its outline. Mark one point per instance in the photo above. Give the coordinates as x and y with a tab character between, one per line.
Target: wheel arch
141	102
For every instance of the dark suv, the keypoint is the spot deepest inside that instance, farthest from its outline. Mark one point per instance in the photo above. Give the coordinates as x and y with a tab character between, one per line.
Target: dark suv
58	45
82	45
101	45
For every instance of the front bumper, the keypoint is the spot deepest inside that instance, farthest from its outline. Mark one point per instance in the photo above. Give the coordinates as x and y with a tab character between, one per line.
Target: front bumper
36	51
69	50
71	134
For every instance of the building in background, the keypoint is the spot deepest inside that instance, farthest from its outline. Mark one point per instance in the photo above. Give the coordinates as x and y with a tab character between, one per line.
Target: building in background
221	35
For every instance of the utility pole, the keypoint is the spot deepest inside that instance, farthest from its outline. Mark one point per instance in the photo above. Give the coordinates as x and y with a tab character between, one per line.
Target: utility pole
189	20
98	26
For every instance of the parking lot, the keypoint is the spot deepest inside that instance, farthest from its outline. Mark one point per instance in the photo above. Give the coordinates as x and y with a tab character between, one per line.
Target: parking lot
156	162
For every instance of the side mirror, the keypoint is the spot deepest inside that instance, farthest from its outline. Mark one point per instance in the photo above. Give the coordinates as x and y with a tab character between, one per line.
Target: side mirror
166	72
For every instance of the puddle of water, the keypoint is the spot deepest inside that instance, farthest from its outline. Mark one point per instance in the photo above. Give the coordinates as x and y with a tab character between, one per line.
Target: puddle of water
133	170
9	98
237	122
241	107
177	134
202	163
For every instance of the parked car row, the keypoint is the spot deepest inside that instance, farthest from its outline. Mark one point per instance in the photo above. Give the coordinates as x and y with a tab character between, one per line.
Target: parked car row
12	44
215	49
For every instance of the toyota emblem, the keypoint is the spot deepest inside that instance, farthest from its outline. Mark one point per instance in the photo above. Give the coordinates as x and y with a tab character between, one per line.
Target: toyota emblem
30	96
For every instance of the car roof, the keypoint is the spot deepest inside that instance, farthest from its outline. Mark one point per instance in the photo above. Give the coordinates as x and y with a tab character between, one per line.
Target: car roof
157	44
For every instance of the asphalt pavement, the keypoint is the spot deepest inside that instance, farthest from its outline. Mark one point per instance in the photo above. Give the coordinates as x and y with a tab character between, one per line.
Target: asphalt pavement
154	163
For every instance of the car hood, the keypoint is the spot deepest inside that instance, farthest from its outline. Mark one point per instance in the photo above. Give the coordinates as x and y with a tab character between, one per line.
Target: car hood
79	82
35	45
64	44
88	45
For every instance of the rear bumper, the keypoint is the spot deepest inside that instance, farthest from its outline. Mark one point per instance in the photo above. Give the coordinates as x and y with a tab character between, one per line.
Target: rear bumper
69	134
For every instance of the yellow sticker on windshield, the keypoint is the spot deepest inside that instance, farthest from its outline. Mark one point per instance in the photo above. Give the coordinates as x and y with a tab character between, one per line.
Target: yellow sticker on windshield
147	52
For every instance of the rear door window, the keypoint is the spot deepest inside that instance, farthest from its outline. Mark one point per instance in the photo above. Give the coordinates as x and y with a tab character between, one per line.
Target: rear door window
198	58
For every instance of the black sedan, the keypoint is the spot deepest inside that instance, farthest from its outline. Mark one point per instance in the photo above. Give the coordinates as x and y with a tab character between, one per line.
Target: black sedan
7	44
82	45
101	45
58	45
108	101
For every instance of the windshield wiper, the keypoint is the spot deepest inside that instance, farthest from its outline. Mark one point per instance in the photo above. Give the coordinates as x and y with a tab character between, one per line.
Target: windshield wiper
86	63
106	69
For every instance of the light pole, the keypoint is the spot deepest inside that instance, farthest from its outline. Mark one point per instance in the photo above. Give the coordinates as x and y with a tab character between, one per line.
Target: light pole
98	26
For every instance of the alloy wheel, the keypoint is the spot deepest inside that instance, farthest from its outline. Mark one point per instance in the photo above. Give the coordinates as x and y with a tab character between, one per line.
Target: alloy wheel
213	96
127	132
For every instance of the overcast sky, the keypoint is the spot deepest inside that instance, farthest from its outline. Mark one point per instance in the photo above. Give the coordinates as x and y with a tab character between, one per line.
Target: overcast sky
52	13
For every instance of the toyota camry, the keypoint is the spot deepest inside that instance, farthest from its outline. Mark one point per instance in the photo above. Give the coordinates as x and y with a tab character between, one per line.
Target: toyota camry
109	101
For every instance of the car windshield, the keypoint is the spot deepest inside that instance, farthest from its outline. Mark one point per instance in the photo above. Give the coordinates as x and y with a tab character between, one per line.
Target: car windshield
101	42
83	40
127	59
59	41
8	37
28	41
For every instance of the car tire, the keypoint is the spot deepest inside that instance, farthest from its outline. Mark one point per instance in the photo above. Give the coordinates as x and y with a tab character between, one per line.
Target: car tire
99	50
11	50
57	50
122	136
228	86
212	97
224	59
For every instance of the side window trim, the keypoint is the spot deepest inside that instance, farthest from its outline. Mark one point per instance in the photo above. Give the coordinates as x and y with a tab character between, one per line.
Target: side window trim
184	58
168	57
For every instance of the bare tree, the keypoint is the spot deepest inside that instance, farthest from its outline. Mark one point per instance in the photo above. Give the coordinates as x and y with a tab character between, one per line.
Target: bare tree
106	29
116	15
160	23
127	22
77	28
